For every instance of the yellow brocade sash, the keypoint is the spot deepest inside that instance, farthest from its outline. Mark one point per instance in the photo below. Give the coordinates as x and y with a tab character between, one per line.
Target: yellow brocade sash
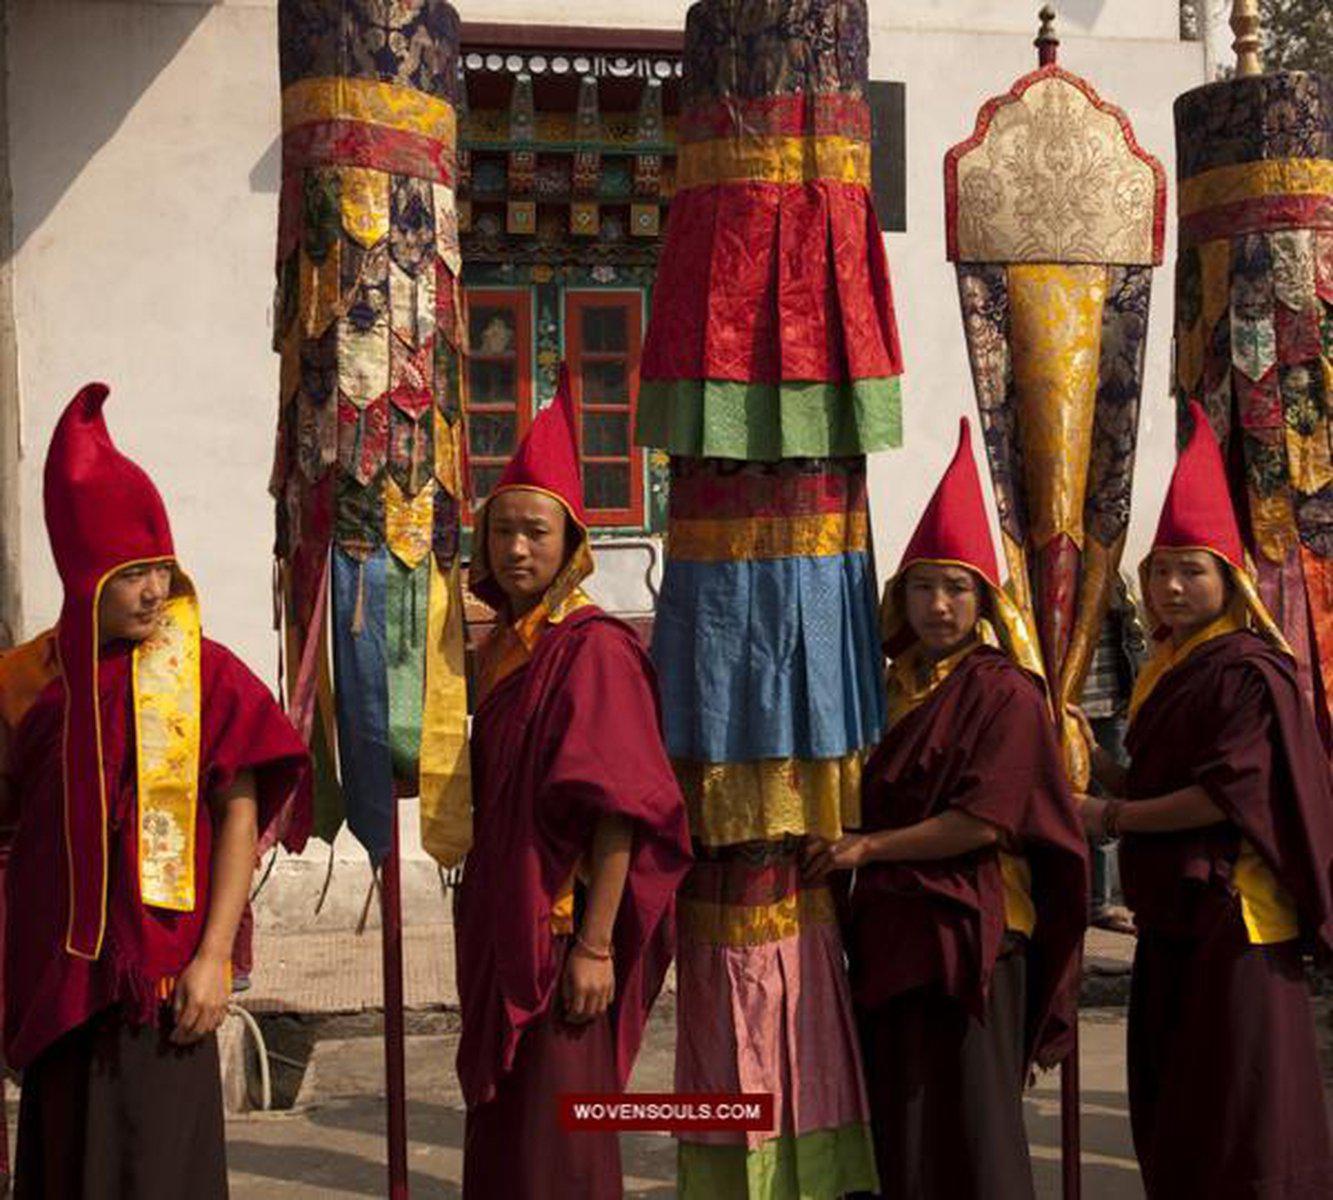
1267	909
167	676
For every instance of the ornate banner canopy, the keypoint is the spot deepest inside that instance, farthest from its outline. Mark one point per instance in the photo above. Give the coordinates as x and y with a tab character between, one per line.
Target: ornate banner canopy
1055	218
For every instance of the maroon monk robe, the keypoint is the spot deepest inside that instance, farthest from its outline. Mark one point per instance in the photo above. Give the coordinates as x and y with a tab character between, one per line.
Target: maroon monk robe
49	992
982	744
1225	1092
572	736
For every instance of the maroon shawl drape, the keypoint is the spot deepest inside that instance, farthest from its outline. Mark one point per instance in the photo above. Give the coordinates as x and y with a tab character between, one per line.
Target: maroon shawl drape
571	737
1231	718
48	991
983	743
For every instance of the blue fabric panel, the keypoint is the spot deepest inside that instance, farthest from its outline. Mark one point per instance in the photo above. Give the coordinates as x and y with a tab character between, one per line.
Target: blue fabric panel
769	659
361	691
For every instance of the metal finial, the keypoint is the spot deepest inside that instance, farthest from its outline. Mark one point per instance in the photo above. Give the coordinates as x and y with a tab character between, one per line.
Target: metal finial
1245	25
1048	41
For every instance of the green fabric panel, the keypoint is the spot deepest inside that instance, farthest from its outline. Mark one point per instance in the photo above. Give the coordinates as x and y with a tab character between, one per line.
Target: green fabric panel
764	422
822	1165
329	813
407	596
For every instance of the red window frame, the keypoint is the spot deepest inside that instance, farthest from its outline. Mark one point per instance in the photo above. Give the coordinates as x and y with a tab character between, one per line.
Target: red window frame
518	301
576	303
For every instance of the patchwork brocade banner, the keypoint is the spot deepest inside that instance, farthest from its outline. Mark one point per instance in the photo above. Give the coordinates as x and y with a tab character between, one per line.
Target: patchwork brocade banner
1055	219
770	369
368	469
1254	331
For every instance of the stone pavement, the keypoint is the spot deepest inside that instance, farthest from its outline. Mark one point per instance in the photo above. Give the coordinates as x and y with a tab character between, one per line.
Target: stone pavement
331	1144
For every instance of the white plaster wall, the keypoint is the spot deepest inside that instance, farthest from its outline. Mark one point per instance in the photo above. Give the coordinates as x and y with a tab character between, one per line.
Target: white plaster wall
144	173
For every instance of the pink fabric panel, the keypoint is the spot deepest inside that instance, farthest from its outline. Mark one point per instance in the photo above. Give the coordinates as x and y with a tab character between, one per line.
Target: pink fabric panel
791	1031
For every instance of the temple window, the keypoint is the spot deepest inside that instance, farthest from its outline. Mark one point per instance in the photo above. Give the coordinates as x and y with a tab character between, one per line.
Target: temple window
566	165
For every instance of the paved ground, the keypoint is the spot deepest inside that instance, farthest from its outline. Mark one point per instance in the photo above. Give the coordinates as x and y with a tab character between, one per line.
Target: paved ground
332	1144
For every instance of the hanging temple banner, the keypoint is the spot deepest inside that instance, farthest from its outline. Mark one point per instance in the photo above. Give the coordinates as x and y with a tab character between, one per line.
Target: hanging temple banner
368	472
1254	331
770	369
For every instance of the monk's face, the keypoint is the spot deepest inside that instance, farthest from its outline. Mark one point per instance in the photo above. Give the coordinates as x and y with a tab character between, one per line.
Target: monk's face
1187	589
943	604
525	540
131	603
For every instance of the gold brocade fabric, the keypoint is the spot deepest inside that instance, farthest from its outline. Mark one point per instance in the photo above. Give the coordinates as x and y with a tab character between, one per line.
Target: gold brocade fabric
1053	175
1256	181
167	676
775	159
364	202
445	765
1268	911
767	800
714	924
1056	334
752	538
367	102
408	522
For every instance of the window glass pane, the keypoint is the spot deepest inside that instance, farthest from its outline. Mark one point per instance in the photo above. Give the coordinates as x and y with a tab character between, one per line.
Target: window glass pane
605	330
605	435
483	480
605	383
492	382
606	485
491	330
492	435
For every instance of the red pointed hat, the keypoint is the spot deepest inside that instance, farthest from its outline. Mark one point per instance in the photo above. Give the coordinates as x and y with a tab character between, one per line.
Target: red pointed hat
102	513
954	528
547	460
1198	513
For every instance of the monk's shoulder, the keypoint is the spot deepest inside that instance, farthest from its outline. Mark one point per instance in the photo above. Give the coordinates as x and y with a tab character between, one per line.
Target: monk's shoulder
1001	684
224	672
598	635
26	670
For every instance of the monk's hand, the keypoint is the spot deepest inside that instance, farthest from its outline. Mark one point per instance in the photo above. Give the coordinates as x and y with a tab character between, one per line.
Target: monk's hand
1092	811
846	854
588	986
812	848
199	1003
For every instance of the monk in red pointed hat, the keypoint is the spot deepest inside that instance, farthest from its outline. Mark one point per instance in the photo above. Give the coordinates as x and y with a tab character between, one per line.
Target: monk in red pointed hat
1226	827
969	901
565	918
140	761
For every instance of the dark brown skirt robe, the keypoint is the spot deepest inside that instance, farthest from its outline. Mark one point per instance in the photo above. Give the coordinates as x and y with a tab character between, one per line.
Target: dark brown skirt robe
114	1111
947	1090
